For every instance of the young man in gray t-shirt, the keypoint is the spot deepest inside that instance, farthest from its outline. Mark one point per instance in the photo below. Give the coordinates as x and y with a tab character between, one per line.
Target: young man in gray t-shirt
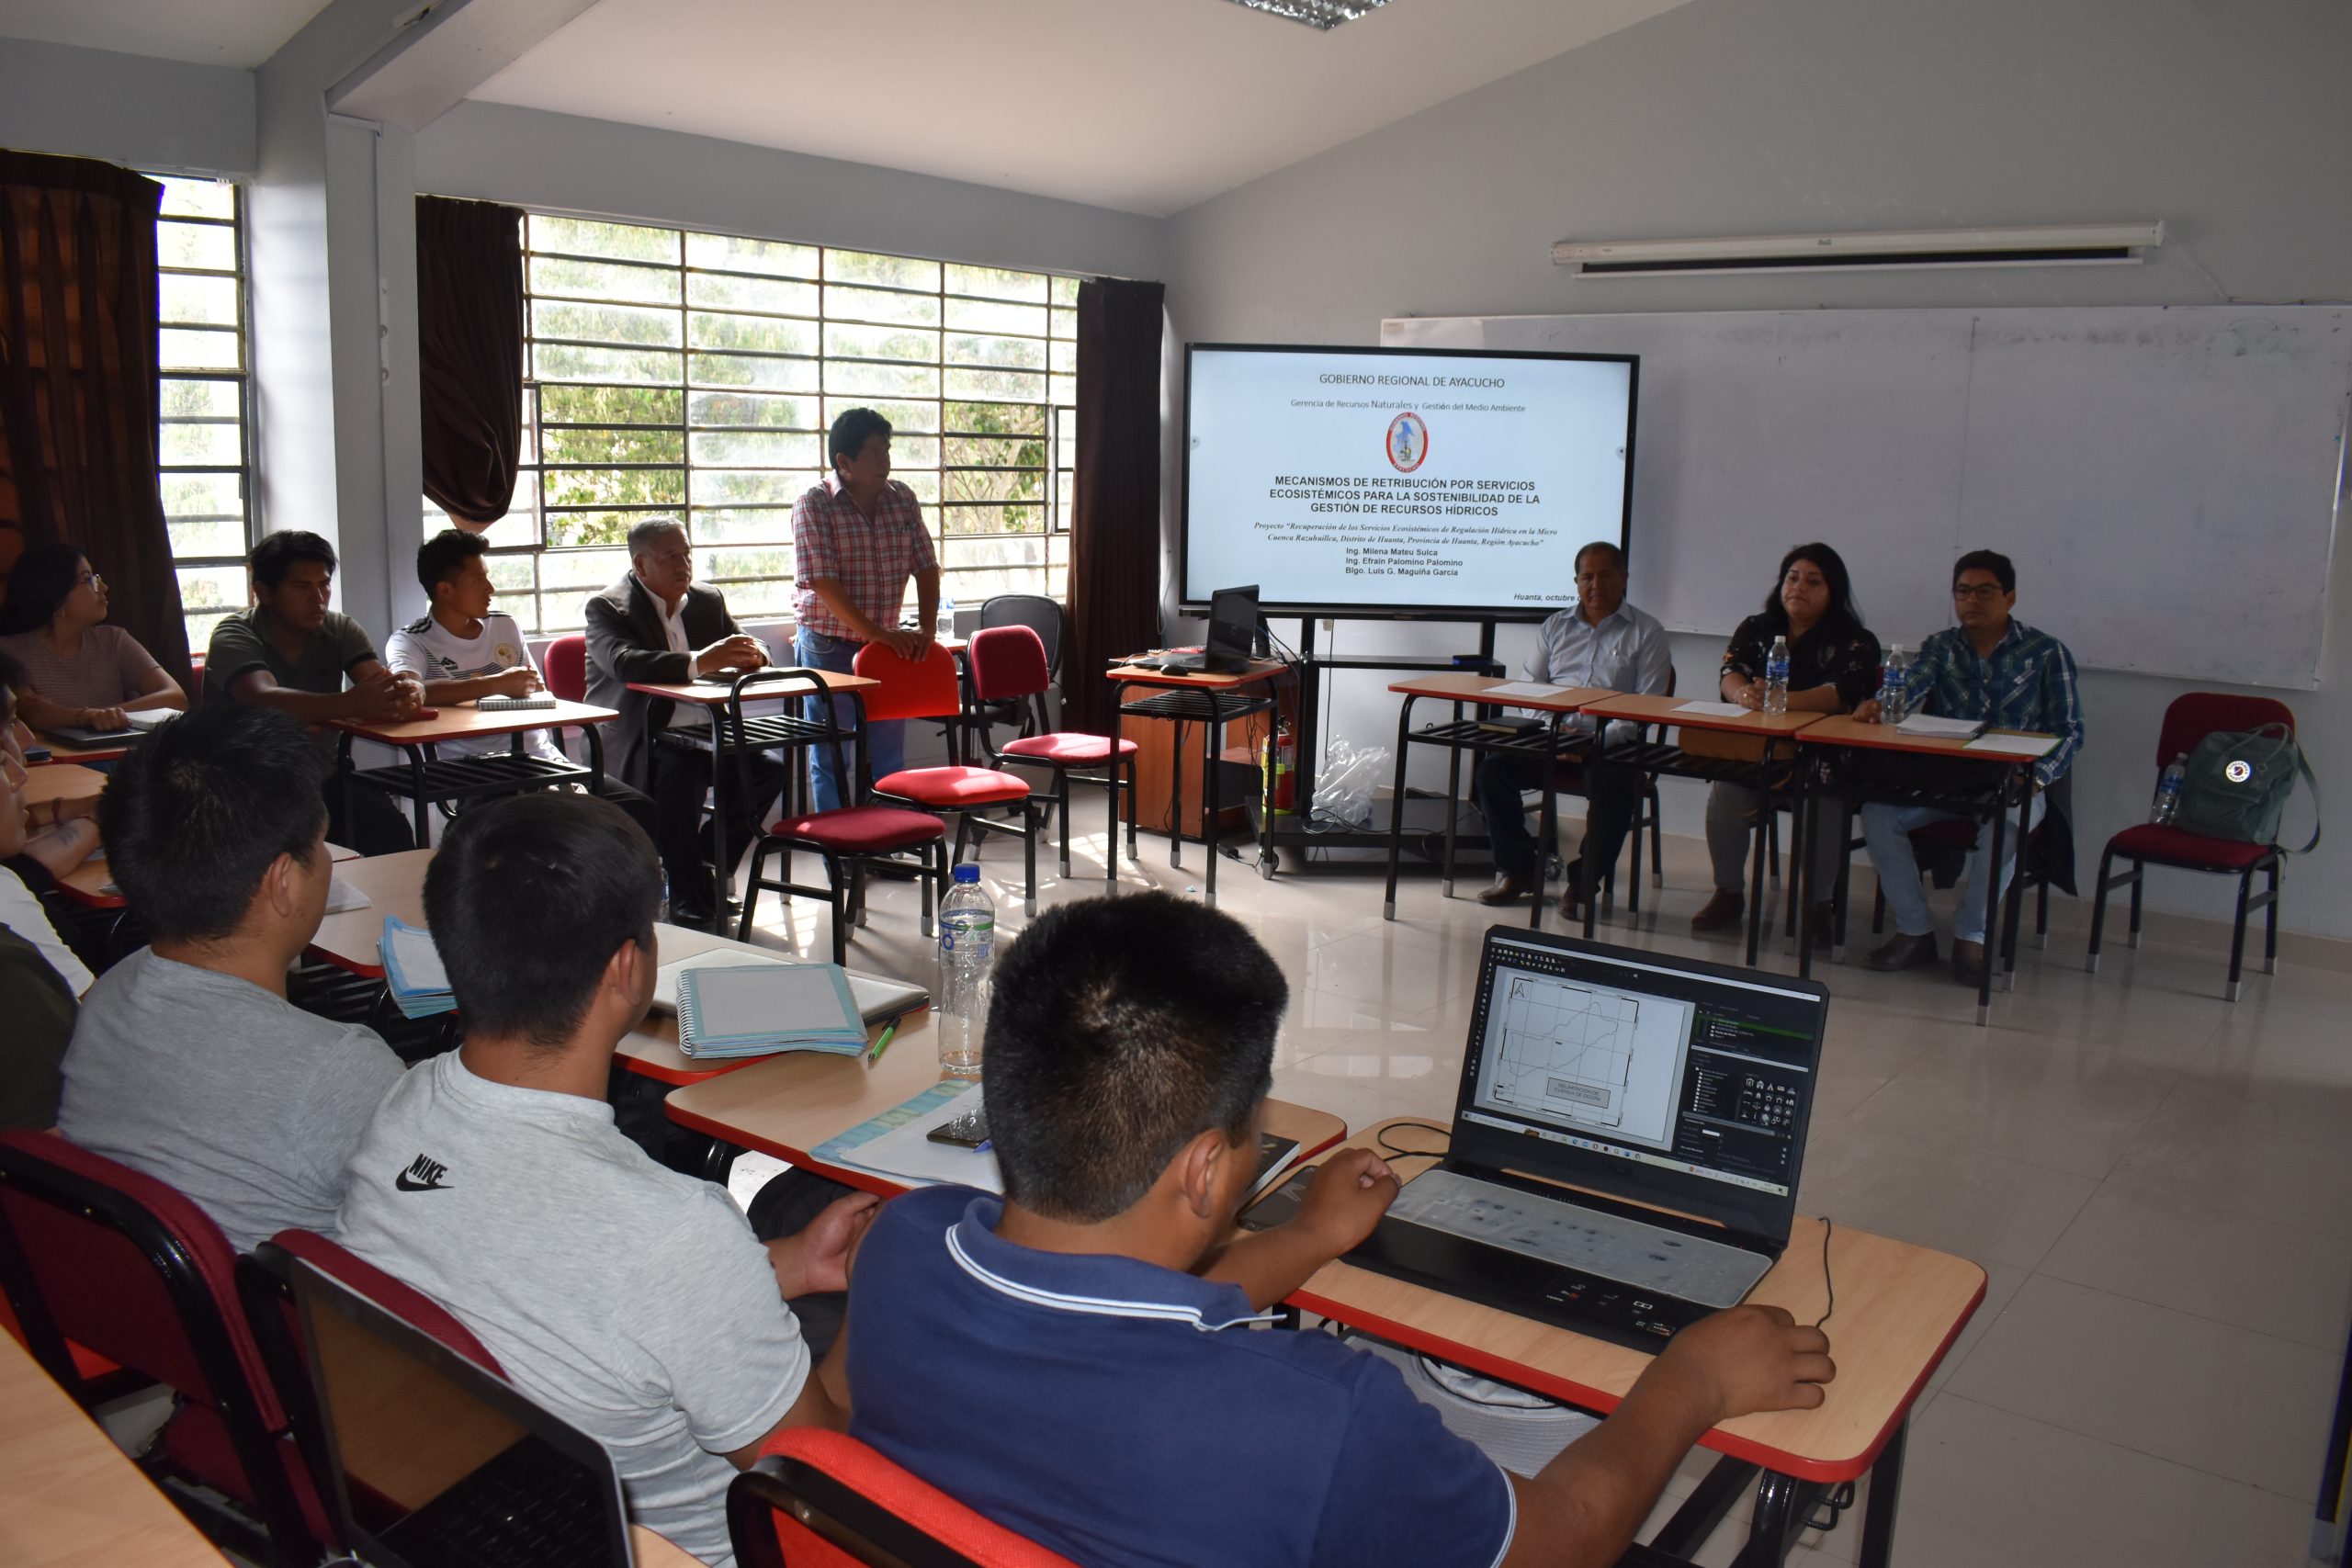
187	1062
630	1299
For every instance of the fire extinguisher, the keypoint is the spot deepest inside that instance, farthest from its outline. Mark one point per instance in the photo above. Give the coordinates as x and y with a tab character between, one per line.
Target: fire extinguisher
1285	785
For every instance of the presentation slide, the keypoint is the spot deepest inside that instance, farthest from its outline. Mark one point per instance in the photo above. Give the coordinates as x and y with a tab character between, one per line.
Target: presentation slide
1402	482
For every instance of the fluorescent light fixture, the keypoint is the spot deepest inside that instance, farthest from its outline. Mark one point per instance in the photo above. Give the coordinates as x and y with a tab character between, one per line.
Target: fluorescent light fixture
2045	244
1320	15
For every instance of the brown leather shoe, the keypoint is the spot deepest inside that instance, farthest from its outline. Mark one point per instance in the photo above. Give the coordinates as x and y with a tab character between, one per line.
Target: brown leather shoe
1508	889
1904	952
1721	909
1968	963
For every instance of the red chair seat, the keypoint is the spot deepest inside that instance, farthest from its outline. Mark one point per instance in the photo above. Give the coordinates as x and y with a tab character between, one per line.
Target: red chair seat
2172	846
1068	749
880	1491
862	830
951	788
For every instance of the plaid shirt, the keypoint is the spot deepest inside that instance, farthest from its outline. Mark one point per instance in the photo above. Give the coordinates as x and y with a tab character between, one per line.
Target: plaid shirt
2028	684
871	561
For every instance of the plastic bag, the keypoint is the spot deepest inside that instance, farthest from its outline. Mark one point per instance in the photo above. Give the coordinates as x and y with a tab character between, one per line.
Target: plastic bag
1343	792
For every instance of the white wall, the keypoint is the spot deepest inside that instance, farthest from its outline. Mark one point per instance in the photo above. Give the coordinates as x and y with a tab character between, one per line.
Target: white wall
154	113
2227	121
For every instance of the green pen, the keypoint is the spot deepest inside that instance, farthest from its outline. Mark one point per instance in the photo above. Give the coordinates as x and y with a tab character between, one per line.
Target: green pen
889	1032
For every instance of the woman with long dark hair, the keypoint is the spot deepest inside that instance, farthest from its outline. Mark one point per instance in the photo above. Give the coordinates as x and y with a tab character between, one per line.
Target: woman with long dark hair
79	671
1833	664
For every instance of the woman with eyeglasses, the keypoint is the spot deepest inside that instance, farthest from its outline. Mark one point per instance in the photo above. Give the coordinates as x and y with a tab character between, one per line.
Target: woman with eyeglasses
78	671
1833	664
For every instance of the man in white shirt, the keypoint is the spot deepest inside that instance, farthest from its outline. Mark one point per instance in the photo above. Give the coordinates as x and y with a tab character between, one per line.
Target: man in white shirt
1601	640
464	650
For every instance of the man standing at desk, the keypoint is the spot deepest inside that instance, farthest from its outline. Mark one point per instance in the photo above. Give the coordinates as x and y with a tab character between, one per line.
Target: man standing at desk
856	540
656	626
1991	667
288	652
1600	640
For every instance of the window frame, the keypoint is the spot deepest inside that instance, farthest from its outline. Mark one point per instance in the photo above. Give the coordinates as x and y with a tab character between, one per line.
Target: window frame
184	565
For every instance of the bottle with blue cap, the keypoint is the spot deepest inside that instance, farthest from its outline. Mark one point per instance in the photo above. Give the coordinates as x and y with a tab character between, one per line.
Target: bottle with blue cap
967	944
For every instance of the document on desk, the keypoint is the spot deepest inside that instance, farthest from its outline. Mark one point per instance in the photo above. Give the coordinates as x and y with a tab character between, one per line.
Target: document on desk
1533	689
1922	724
343	897
2012	745
1716	710
898	1143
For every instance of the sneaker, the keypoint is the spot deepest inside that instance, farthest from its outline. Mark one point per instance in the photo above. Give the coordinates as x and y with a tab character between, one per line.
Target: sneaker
1904	952
1721	909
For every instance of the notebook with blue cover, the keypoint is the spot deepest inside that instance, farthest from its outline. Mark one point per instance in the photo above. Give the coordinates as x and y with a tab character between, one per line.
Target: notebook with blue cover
757	1009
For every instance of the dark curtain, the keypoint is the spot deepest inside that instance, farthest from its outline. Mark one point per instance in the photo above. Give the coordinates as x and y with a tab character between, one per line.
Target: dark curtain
1115	517
79	385
469	345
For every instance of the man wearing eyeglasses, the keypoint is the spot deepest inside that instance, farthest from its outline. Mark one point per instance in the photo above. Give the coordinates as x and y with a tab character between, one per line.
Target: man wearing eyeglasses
1601	640
1991	667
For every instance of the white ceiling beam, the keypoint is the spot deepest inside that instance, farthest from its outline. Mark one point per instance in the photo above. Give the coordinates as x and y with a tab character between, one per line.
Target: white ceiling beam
442	51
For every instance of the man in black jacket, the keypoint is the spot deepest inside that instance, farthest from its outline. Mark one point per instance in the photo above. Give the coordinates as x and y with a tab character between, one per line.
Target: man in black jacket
654	625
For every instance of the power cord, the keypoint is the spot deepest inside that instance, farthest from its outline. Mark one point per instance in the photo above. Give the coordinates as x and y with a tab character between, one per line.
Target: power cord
1389	1148
1827	1282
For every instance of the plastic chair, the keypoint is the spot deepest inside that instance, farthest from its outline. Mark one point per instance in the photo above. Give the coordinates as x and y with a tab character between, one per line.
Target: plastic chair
931	689
848	839
93	1254
1009	665
820	1499
1040	614
2189	720
565	669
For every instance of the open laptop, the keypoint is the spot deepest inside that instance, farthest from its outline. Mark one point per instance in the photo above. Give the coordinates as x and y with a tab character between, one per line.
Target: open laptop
439	1464
1233	629
1674	1095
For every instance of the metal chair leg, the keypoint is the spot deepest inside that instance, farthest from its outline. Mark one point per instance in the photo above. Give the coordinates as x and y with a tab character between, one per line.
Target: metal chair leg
2237	937
2270	923
2098	911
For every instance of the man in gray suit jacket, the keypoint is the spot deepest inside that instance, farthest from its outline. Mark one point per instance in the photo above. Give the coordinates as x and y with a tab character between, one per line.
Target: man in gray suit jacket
654	625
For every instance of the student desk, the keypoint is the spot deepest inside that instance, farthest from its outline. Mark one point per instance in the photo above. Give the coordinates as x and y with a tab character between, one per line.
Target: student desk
67	1495
61	781
426	779
1899	1308
395	885
1212	700
787	1105
733	733
1987	801
1462	735
1769	772
62	752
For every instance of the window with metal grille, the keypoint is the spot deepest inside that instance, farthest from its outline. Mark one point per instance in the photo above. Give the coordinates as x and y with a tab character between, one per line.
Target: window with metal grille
694	375
201	453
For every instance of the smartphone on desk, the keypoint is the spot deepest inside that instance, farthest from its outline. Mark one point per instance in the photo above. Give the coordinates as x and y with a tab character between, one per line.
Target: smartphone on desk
969	1130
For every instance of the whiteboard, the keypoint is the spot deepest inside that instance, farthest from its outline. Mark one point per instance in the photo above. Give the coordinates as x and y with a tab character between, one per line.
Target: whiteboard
2166	480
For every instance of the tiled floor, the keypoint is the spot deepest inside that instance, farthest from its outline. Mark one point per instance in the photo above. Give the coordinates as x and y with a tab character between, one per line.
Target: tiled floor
2155	1181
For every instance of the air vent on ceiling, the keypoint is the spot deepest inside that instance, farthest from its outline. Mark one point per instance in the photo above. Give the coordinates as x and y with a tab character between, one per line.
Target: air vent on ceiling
2053	244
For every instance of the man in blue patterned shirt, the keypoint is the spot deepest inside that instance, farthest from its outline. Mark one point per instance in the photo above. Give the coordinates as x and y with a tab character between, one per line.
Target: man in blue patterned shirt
1991	667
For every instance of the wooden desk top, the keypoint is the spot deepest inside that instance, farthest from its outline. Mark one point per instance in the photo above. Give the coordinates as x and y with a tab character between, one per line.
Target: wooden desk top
768	689
394	886
1136	676
1474	688
788	1105
1669	710
463	721
1899	1309
62	781
87	885
659	1550
69	1496
1845	730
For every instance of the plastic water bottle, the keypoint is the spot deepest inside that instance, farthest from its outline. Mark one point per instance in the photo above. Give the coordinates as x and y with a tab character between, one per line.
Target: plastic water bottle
966	942
1893	700
2167	802
1776	677
946	612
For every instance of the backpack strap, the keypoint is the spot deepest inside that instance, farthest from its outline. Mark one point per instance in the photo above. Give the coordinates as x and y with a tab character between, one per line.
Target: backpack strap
2303	768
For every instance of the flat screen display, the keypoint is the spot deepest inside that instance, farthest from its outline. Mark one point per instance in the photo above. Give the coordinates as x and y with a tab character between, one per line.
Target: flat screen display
1404	482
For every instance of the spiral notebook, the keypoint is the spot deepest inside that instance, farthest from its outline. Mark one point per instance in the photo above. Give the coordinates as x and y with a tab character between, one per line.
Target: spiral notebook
765	1008
510	704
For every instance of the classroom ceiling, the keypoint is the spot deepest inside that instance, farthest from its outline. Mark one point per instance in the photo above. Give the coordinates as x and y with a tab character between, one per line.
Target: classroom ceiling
1145	105
206	32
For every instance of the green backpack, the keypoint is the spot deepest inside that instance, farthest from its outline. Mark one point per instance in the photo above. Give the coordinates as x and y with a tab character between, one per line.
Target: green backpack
2238	784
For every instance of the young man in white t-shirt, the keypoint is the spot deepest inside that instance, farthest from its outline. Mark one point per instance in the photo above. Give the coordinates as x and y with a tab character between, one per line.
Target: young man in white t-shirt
463	649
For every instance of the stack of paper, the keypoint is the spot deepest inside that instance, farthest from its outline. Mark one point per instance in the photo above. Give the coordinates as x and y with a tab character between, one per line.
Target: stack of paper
509	704
1927	724
413	970
898	1143
149	718
749	1010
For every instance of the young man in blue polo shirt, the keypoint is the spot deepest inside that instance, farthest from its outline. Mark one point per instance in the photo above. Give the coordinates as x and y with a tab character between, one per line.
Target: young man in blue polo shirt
1080	1359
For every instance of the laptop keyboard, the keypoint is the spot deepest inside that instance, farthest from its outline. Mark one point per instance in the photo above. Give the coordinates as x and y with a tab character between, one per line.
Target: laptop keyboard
1602	1246
528	1507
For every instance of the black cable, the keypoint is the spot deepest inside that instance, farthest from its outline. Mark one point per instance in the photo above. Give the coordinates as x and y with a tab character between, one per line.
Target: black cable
1387	1147
1827	1283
